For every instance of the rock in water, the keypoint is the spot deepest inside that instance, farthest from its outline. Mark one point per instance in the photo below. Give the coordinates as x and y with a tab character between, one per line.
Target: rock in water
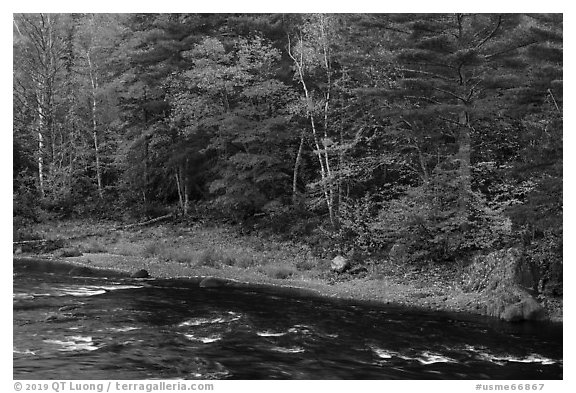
81	271
339	264
526	310
212	282
140	274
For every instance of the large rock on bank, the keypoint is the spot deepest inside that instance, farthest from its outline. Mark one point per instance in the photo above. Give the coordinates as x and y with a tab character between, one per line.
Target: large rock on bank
339	264
142	273
68	253
507	283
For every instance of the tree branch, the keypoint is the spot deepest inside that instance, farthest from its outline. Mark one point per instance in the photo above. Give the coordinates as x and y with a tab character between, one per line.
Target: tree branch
492	34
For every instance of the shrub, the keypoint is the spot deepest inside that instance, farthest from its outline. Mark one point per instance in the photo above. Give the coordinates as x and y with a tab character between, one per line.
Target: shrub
246	261
152	249
279	271
177	254
305	264
209	258
229	260
427	221
94	247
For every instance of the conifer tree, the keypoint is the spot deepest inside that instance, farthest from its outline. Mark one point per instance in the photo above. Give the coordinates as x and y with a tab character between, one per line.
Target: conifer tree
455	71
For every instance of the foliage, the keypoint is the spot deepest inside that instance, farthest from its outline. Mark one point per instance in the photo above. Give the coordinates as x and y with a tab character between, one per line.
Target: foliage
439	135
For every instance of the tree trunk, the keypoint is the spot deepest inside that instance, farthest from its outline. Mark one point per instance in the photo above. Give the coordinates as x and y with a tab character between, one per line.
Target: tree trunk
465	177
323	173
94	83
41	144
41	164
325	51
186	188
179	187
296	169
328	194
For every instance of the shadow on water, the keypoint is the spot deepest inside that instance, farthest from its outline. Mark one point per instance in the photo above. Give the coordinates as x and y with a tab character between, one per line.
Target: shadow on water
108	326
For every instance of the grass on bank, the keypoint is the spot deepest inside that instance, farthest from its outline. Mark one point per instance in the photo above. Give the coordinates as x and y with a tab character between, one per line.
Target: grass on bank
212	247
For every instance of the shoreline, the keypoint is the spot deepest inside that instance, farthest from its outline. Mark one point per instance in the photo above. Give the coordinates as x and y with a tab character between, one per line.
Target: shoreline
250	262
291	289
273	287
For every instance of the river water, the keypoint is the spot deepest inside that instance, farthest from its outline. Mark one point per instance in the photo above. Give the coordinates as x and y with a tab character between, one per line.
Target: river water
68	327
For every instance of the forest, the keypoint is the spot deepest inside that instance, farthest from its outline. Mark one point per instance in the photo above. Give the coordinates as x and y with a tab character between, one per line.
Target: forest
436	137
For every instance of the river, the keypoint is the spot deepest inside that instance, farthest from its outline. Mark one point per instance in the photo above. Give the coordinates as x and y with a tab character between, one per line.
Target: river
112	327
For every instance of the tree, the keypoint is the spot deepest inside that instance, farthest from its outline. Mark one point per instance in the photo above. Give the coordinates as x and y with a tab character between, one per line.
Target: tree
312	54
39	57
232	96
151	52
96	37
455	71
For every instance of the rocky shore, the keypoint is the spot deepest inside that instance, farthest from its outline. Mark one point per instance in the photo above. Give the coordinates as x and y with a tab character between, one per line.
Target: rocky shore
220	257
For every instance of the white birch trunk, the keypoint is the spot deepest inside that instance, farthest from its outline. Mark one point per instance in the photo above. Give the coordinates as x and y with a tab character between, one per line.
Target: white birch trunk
94	83
296	170
323	170
41	147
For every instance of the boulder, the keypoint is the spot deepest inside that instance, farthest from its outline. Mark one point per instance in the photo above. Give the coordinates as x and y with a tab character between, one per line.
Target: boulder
507	282
81	271
68	252
213	282
527	309
398	253
140	274
339	264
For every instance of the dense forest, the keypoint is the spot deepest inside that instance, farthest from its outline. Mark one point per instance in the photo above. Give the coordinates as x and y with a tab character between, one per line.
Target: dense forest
435	136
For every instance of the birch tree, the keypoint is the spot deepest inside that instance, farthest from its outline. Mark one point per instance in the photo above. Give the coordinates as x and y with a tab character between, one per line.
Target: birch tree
311	53
40	54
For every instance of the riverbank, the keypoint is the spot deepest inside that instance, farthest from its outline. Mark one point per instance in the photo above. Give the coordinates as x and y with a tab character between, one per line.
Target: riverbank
169	251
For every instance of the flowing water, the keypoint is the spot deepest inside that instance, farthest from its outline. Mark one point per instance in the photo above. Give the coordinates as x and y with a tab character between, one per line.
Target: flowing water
68	327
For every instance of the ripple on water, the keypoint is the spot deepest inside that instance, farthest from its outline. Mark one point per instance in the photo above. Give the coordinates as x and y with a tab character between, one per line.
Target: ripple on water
230	316
200	321
430	358
74	343
301	329
77	291
120	287
268	333
383	353
288	350
22	296
206	340
480	353
81	291
23	352
503	360
422	357
123	329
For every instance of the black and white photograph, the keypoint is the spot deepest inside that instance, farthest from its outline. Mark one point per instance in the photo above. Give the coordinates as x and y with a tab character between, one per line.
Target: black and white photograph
287	196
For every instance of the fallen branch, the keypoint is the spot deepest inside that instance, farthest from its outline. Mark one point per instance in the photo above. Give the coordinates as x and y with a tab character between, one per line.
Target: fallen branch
101	233
33	241
139	224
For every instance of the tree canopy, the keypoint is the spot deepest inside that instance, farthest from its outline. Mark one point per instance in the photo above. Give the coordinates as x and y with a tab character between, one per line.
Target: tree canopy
439	132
